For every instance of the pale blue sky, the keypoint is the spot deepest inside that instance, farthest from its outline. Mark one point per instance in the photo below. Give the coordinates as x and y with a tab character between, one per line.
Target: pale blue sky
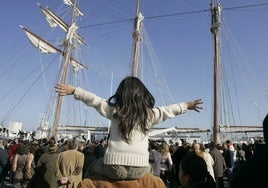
182	44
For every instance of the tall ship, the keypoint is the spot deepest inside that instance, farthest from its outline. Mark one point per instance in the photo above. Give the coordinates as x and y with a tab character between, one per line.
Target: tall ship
95	44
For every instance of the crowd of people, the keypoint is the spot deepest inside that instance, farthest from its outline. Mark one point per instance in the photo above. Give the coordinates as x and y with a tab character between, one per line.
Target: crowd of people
66	163
128	155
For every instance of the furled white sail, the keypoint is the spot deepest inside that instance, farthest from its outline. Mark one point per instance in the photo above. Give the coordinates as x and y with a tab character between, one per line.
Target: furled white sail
76	65
53	21
38	42
46	47
76	10
72	30
136	33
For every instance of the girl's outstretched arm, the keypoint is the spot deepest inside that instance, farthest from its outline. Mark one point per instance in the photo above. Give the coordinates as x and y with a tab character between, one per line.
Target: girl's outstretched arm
194	105
64	89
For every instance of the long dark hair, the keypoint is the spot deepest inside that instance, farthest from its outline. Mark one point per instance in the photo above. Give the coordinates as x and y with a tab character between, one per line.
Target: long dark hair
23	149
133	103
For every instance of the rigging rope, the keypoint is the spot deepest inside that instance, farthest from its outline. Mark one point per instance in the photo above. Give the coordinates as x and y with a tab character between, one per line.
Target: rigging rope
12	110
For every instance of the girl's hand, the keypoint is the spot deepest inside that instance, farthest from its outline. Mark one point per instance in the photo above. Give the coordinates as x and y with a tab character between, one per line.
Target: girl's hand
63	89
194	105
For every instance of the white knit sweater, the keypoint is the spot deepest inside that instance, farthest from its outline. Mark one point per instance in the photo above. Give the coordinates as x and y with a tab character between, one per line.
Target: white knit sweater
118	151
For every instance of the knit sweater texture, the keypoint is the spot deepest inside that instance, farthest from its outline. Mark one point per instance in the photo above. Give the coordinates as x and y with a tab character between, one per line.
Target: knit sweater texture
118	151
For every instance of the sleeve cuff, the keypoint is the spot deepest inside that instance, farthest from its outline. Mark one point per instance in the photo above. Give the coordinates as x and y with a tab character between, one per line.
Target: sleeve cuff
183	107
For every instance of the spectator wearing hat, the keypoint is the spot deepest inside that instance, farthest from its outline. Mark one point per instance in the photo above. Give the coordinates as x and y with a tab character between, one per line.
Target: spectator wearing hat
45	169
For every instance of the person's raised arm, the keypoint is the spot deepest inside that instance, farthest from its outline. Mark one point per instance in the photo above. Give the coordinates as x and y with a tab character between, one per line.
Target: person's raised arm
194	105
64	89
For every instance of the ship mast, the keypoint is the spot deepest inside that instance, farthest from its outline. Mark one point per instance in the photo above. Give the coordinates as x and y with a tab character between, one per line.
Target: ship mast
67	58
137	38
215	29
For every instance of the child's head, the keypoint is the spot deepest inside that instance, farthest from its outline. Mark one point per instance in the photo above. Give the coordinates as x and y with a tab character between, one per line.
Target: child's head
132	91
133	103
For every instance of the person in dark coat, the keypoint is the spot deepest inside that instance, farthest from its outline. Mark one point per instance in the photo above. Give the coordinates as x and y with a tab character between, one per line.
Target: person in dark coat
229	159
219	164
254	171
3	161
177	157
45	169
89	160
100	149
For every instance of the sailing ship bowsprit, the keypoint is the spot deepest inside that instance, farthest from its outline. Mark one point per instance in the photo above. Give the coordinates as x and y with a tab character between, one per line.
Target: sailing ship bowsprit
72	39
